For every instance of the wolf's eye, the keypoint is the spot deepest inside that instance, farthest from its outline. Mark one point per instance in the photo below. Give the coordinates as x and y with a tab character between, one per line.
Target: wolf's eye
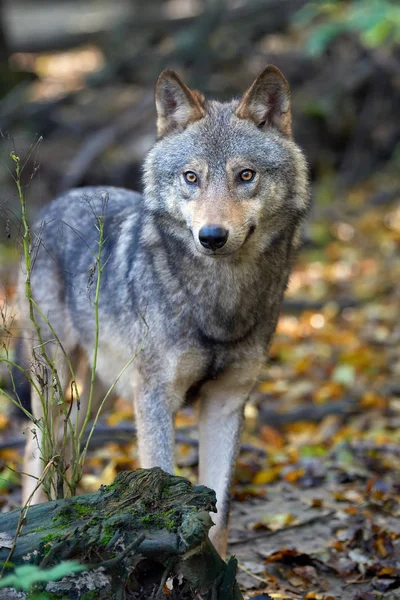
190	177
247	175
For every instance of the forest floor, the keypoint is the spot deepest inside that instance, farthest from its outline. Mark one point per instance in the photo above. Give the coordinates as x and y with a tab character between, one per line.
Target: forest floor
316	500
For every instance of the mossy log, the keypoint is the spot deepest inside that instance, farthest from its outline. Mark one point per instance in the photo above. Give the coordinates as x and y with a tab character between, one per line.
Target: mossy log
146	531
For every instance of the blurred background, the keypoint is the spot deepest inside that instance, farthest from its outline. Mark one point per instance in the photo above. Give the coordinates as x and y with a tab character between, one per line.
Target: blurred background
76	103
81	74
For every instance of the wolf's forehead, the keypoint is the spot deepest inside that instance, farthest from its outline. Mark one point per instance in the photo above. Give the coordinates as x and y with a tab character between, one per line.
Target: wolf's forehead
222	136
219	140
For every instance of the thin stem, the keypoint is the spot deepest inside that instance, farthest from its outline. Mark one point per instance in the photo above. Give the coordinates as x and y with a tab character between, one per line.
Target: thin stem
110	389
27	248
24	512
80	457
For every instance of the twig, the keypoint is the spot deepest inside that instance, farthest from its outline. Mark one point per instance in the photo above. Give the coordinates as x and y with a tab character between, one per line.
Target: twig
17	471
242	568
270	534
24	512
306	412
107	564
372	447
164	577
121	434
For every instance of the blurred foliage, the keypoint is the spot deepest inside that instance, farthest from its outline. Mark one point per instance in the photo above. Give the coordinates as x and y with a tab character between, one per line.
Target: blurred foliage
27	576
377	22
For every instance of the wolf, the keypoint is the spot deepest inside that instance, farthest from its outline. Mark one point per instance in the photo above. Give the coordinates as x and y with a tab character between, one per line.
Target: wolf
195	268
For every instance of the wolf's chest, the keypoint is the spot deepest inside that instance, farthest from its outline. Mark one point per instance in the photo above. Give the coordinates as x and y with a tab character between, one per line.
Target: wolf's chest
230	309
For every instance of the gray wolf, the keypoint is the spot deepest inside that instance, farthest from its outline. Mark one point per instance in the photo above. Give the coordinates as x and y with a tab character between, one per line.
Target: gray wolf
205	255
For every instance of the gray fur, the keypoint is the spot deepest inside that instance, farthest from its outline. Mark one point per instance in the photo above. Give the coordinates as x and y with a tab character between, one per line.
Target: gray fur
210	316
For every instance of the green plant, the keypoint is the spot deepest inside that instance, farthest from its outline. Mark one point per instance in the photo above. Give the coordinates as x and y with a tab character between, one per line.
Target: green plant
377	22
57	478
26	577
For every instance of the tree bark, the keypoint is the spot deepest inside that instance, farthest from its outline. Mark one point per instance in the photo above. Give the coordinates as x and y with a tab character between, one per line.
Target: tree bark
134	535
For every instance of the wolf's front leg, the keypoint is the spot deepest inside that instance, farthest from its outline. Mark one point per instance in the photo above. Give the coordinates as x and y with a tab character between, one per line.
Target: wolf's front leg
155	429
221	417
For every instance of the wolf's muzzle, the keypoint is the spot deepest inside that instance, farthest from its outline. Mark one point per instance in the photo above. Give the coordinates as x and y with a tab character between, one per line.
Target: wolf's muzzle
213	237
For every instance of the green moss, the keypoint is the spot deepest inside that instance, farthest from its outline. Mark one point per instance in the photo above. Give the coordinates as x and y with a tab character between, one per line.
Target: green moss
146	519
71	513
109	488
106	535
34	595
52	537
89	595
83	509
64	517
49	541
161	520
39	529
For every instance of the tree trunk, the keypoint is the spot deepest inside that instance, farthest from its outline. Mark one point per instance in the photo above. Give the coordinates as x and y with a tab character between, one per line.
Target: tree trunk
135	535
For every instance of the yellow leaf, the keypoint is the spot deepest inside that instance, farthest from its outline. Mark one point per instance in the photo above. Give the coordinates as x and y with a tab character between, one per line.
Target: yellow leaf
293	476
328	391
126	414
4	421
272	437
373	400
277	521
9	455
266	476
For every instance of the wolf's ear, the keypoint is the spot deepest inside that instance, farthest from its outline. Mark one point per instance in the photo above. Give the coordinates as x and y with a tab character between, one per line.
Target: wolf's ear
176	104
267	101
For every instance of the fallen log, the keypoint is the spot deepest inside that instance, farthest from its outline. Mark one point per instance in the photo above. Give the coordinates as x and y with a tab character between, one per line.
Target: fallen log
146	531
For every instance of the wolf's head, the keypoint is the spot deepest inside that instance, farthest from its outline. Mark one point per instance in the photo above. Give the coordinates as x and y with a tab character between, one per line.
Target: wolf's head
228	175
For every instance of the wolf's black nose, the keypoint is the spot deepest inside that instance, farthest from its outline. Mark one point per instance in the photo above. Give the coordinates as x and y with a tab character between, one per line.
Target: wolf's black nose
213	236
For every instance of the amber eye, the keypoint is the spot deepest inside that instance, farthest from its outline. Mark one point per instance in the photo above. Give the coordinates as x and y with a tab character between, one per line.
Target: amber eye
247	175
190	177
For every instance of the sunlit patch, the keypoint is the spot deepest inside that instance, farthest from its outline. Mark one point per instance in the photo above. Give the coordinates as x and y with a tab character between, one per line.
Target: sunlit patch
69	394
288	325
317	321
58	72
344	231
176	9
392	220
4	421
295	283
250	411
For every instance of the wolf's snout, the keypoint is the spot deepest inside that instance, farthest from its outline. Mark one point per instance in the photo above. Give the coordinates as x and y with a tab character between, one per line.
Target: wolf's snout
213	237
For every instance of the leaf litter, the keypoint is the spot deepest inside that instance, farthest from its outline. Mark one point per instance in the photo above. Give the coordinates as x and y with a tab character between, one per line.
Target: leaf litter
320	512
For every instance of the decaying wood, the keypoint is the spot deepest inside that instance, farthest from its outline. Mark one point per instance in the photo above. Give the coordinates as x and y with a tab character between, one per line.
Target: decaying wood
133	536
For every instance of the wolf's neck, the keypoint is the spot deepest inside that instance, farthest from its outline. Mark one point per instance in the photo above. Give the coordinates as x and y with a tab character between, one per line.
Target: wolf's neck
226	296
230	299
